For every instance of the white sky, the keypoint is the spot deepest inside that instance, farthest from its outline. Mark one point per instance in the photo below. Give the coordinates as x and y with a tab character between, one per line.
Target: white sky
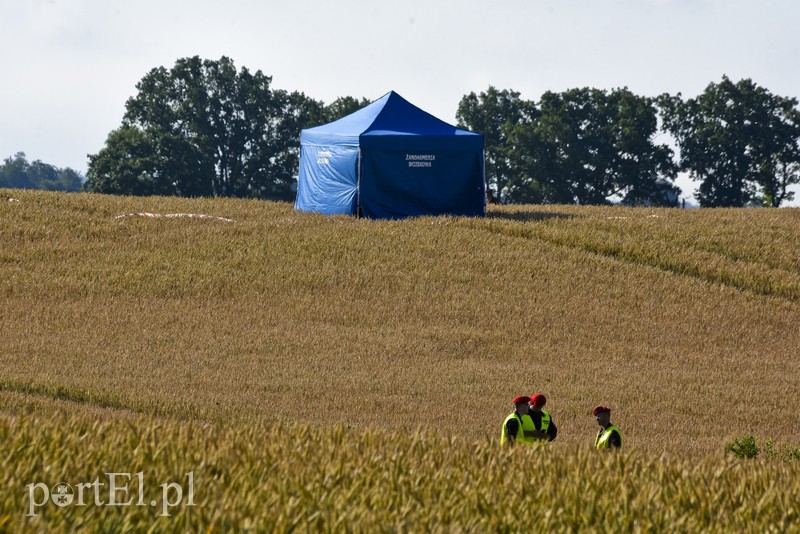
68	66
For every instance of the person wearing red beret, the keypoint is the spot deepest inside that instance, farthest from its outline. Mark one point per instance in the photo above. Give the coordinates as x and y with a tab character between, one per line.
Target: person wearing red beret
544	429
609	436
513	431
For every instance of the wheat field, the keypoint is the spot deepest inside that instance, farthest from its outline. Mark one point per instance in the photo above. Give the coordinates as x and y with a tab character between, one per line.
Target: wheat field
363	342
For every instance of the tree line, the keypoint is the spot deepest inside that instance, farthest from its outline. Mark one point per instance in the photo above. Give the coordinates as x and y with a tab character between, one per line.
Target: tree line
586	146
18	173
204	128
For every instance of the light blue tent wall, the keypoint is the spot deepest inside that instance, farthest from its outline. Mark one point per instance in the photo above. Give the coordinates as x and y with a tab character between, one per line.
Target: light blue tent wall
391	159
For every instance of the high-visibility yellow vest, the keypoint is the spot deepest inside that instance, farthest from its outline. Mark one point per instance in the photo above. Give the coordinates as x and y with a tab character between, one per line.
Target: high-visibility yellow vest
524	423
527	426
545	422
601	441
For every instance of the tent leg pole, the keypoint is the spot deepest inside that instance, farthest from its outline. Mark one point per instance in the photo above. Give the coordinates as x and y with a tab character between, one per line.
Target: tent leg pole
358	187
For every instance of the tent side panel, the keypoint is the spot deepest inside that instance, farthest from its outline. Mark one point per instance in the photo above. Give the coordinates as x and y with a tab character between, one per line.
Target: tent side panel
397	183
327	182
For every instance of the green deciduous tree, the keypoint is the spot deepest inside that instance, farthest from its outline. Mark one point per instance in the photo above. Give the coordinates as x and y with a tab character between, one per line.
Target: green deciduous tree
739	140
493	113
586	146
202	128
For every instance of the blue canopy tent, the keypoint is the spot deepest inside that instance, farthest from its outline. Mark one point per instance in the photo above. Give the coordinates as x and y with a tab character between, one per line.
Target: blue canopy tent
390	160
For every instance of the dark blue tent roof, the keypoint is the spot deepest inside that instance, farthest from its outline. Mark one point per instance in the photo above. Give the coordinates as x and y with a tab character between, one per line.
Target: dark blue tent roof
389	115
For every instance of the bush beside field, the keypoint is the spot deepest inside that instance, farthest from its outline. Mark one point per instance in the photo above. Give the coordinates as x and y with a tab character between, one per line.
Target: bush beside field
383	347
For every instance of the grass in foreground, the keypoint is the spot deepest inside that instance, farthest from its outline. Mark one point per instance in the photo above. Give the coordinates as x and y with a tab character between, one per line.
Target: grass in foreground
289	477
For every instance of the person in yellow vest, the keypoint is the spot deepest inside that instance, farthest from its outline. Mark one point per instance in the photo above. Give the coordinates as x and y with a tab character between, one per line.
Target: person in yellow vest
544	429
517	423
609	436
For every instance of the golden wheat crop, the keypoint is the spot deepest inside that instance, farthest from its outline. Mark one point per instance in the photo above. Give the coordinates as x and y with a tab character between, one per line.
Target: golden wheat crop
683	321
310	478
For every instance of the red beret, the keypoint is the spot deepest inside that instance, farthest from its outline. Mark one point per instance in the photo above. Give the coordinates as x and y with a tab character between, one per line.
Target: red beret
522	400
538	400
601	409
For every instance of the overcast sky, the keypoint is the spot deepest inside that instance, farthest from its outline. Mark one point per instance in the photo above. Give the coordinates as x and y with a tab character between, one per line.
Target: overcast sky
68	66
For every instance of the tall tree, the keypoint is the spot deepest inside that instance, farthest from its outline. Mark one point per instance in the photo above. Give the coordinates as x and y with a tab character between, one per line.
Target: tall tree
202	128
738	139
586	146
493	113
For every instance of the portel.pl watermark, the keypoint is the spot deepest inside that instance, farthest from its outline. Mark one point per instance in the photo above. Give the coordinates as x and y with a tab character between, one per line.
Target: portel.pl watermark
111	491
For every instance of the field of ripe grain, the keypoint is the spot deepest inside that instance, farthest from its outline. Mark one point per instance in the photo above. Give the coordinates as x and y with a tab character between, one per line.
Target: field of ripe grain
311	478
685	322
